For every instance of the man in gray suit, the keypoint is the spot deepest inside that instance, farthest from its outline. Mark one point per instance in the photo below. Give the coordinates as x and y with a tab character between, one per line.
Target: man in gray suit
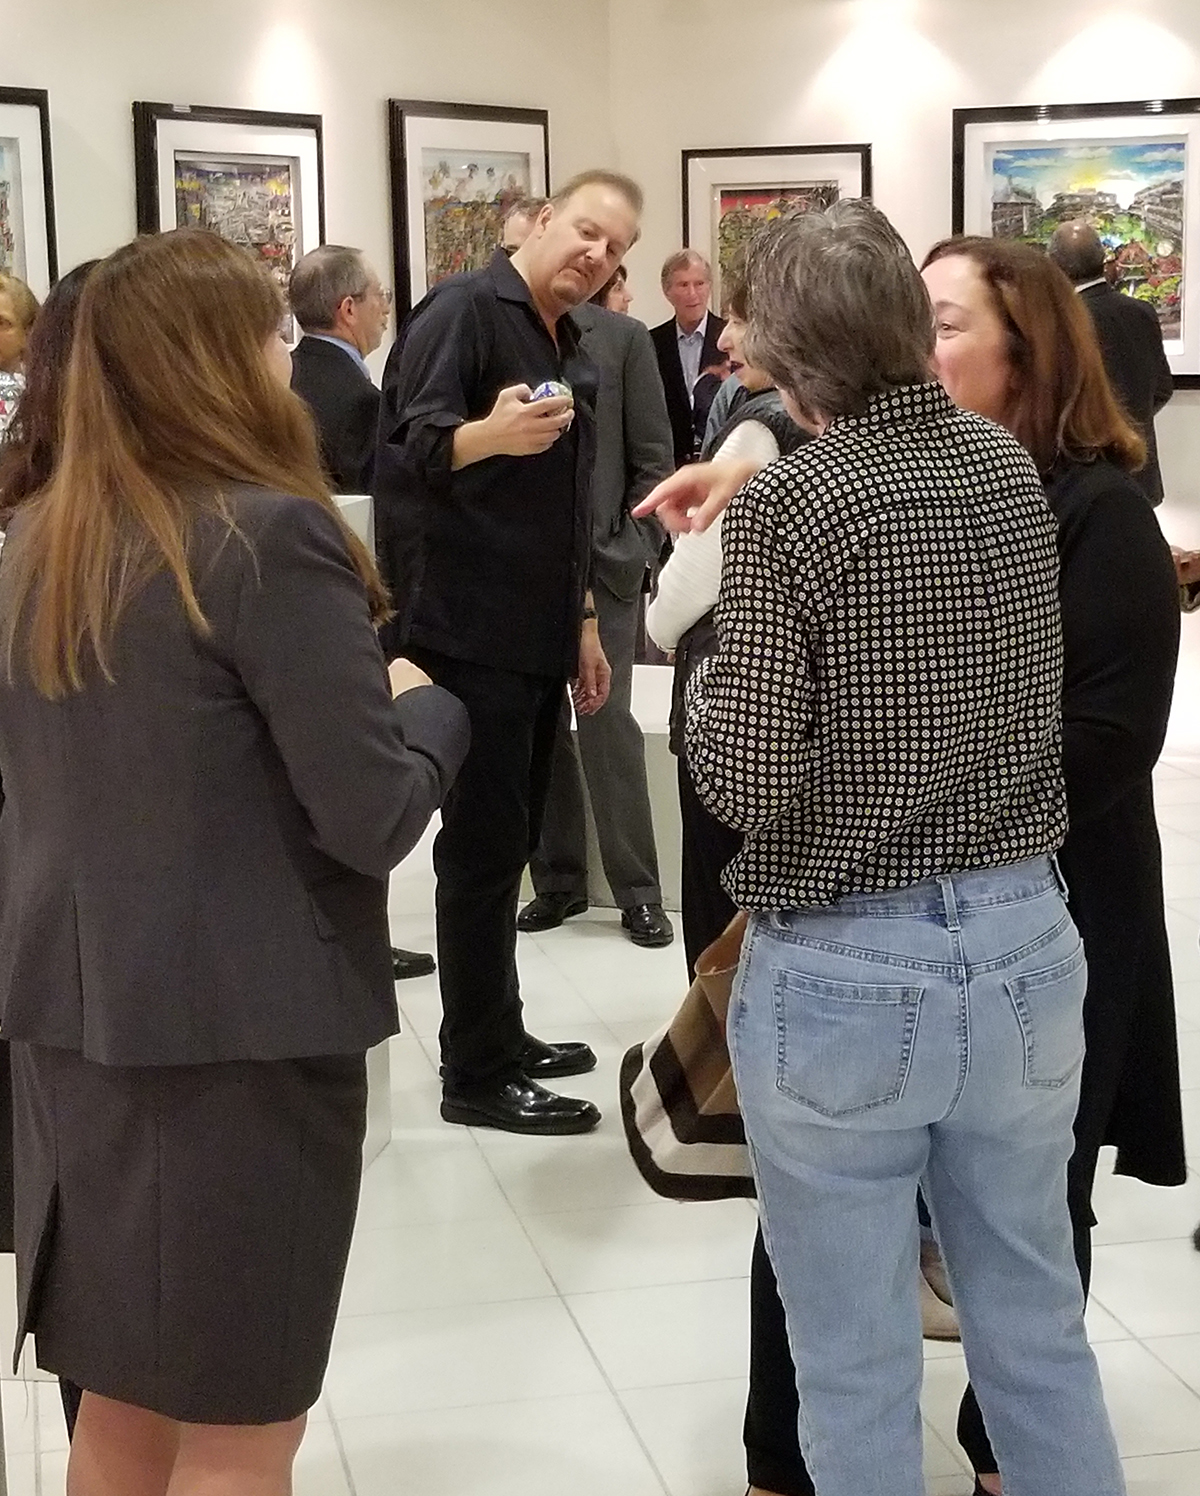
634	452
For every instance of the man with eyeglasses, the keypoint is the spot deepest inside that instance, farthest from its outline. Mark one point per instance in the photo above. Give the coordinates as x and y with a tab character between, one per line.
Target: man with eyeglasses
343	312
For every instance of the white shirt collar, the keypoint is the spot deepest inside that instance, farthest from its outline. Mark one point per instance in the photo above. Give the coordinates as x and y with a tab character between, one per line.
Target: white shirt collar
701	328
1100	280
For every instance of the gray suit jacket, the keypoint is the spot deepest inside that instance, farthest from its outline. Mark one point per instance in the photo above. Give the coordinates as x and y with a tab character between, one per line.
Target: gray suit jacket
194	858
634	448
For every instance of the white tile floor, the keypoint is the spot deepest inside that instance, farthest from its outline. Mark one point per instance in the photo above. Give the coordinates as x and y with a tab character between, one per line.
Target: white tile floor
522	1317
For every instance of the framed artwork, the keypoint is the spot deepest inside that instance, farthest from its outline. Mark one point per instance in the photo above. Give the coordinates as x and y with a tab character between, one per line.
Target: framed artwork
1132	170
255	178
28	245
456	170
728	194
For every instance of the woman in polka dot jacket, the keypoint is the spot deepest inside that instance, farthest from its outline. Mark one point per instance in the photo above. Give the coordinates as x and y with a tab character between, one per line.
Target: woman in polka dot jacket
882	721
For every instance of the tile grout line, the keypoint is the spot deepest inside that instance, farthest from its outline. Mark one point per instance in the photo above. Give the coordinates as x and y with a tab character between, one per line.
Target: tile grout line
603	1374
339	1444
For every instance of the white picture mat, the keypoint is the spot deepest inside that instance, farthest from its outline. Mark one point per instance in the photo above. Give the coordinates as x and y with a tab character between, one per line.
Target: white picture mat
210	140
424	132
709	176
1183	354
23	123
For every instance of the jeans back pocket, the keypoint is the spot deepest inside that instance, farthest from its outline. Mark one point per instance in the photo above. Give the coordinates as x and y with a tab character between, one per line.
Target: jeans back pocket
843	1047
1049	1008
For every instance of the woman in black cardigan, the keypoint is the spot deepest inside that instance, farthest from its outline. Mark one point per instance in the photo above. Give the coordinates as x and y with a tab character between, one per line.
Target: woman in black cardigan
1014	344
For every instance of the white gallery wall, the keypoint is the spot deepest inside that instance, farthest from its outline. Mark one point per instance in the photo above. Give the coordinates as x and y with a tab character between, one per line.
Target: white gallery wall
696	73
627	82
340	60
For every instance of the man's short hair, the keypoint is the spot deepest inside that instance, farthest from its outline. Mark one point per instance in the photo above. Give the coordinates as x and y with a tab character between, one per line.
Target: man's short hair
322	280
683	259
602	177
1078	251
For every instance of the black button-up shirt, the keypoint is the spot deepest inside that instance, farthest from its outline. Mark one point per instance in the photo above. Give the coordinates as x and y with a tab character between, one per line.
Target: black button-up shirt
488	563
886	702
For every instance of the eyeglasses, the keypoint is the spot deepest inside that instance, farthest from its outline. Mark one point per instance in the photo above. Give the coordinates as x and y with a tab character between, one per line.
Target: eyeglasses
382	292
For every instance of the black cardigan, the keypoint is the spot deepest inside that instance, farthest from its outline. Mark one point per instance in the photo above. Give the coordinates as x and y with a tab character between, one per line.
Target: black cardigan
1121	637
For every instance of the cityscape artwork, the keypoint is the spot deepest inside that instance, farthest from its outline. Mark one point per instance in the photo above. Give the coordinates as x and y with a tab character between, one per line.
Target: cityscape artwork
466	195
1130	190
743	210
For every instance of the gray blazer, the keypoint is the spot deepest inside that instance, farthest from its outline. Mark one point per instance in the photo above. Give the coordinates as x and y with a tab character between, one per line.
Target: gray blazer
634	447
194	859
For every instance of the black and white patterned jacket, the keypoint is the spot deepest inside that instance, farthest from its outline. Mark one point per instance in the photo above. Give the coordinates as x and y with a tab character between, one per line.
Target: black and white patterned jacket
885	703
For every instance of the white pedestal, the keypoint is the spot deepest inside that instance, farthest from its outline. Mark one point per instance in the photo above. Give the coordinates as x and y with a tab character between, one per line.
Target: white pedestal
379	1103
359	514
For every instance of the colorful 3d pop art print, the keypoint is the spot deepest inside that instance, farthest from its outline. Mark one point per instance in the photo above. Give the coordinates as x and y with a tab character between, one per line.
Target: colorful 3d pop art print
27	236
456	170
1131	170
728	194
254	178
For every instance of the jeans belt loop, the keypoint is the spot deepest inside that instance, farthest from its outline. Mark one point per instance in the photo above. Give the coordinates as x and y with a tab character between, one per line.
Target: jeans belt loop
1059	879
946	883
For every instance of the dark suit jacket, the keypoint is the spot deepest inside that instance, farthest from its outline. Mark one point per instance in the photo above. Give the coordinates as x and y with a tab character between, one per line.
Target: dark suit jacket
1120	616
633	447
345	406
685	420
194	857
1132	345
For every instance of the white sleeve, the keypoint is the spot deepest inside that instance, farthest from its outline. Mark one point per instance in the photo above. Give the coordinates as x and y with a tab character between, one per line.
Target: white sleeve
688	584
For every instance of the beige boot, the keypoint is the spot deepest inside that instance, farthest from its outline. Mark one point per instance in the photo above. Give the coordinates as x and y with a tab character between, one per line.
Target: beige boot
938	1320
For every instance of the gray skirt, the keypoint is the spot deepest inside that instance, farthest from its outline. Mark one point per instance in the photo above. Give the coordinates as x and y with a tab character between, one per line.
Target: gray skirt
182	1231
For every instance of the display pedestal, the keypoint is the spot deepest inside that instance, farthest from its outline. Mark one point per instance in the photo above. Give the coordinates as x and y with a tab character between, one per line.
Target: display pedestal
379	1104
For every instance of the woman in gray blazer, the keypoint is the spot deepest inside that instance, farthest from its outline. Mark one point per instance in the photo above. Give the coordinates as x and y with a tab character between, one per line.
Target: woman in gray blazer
206	783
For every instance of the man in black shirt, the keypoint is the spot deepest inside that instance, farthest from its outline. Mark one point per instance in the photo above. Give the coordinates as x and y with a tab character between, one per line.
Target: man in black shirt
483	518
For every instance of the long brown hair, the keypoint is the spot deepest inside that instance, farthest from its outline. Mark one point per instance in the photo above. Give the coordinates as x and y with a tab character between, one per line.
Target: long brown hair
168	400
1063	406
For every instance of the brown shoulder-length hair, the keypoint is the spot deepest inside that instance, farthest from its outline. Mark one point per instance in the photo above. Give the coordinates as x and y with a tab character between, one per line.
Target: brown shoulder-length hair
1062	405
169	398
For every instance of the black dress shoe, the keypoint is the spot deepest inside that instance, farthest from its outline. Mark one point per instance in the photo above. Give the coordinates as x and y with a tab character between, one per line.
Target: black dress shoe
407	964
647	925
548	910
520	1106
541	1061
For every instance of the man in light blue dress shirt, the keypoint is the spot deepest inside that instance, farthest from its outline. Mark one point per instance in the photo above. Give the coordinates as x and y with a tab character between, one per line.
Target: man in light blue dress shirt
686	347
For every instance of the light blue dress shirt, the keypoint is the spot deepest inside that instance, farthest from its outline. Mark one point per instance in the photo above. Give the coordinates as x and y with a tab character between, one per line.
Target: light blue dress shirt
691	350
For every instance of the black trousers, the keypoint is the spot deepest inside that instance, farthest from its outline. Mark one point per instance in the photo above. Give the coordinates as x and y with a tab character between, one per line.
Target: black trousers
491	823
708	848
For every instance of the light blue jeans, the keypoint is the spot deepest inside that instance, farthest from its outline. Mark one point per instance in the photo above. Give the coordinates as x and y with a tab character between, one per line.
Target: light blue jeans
930	1035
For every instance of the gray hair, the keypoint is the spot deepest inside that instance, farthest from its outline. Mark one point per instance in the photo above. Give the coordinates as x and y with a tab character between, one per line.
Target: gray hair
683	259
837	311
1078	251
322	280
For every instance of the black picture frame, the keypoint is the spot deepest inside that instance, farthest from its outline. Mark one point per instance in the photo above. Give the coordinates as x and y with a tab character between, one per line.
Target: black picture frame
404	117
37	100
750	168
232	134
969	137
